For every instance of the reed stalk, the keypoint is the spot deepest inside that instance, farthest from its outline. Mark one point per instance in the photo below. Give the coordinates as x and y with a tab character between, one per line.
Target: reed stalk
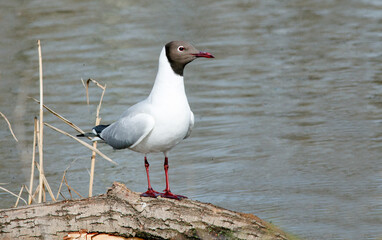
46	184
9	126
41	126
92	167
33	160
29	194
35	192
63	178
70	188
12	194
82	142
19	196
74	126
38	136
59	189
97	122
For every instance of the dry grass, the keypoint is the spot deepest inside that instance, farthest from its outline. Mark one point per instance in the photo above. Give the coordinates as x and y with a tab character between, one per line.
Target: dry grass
38	137
18	197
82	142
33	159
97	122
40	126
75	127
9	126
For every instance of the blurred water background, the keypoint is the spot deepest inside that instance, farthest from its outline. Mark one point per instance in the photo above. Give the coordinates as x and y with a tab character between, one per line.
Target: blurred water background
288	115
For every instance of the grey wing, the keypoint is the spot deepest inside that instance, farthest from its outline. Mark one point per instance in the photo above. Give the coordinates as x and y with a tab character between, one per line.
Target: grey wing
128	131
190	126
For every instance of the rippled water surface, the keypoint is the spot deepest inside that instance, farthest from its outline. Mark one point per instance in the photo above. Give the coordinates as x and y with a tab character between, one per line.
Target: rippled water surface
288	114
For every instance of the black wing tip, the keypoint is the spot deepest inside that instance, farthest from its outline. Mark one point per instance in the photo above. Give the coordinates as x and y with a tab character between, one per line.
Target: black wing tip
95	133
99	128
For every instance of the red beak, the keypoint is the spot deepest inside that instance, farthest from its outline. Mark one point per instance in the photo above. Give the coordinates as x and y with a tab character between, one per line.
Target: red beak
203	54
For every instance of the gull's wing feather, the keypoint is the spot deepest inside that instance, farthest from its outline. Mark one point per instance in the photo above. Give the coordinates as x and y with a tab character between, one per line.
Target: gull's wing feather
128	131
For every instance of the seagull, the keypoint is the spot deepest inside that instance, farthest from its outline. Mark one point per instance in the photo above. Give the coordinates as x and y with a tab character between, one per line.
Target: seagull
160	121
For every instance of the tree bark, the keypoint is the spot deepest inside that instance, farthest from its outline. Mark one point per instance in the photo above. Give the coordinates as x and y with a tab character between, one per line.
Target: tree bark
121	212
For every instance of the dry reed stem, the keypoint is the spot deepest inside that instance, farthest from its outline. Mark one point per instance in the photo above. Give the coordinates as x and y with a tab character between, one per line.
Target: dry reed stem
29	193
44	192
18	197
9	126
59	189
97	122
49	189
13	194
87	87
75	127
83	83
41	177
69	187
82	142
33	159
46	184
63	176
36	191
41	130
92	167
63	196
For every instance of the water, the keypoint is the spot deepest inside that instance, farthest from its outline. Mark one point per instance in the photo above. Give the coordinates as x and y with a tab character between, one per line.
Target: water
288	114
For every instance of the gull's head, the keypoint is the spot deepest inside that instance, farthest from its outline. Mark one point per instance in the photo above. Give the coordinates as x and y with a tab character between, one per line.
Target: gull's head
180	53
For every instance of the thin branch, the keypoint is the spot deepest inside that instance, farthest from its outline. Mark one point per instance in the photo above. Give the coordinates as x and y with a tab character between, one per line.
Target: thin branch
62	195
82	142
9	126
30	194
36	191
59	189
13	194
75	127
100	102
83	83
87	87
63	177
67	184
46	184
18	197
49	189
33	159
97	122
41	130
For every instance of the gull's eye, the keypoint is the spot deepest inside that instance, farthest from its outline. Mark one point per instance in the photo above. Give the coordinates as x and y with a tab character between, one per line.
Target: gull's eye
180	48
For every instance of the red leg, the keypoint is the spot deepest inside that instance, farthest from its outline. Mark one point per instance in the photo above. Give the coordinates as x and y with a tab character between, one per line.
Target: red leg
165	165
150	191
167	193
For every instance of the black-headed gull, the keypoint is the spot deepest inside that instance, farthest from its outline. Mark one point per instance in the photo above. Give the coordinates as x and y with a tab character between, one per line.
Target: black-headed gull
163	119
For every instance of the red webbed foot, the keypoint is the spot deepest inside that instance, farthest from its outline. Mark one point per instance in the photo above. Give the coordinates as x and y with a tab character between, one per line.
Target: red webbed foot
169	194
150	193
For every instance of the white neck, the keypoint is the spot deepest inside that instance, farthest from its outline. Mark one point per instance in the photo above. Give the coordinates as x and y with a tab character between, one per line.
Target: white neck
167	82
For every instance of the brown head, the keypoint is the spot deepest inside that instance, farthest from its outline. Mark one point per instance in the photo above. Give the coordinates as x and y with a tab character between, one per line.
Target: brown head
180	53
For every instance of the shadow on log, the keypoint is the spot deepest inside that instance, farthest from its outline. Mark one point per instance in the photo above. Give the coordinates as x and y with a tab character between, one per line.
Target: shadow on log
124	214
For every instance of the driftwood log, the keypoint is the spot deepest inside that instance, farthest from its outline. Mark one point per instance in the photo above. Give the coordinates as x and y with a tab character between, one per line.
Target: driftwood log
121	212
